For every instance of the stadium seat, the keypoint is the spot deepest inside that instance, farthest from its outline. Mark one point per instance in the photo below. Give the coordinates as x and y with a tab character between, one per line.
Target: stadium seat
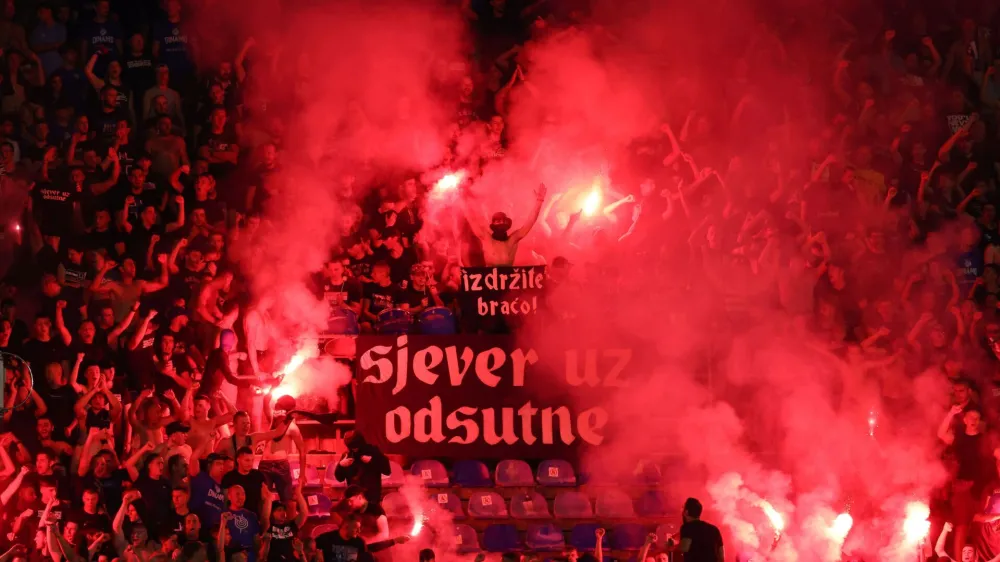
513	473
647	473
613	503
471	474
582	537
312	475
331	480
319	505
436	321
343	322
466	540
501	538
432	473
628	536
449	502
573	505
651	504
545	537
487	505
396	477
325	528
396	506
530	505
556	473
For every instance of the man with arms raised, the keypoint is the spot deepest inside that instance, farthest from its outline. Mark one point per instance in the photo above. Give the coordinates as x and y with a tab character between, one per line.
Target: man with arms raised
500	246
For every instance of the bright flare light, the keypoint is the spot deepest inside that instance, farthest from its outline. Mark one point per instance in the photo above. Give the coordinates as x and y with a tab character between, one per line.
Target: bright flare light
593	201
450	181
418	525
289	385
872	423
841	526
777	521
916	526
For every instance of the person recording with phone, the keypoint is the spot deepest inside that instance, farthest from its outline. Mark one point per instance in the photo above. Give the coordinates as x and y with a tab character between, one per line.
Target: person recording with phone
362	465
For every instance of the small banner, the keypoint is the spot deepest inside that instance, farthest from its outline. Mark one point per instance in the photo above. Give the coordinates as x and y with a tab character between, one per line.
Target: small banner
501	296
467	396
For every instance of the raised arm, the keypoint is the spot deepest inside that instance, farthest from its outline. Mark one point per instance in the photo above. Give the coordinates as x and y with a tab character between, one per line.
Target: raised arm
96	82
67	338
945	432
520	233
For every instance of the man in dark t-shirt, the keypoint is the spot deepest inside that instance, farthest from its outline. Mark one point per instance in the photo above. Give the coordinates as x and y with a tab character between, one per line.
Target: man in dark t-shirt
346	545
700	541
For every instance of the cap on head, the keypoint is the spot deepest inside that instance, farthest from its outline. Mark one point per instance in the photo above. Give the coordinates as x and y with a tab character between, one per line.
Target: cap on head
177	427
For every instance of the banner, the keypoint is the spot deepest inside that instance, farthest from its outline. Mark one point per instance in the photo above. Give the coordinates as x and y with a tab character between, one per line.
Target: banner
468	396
501	292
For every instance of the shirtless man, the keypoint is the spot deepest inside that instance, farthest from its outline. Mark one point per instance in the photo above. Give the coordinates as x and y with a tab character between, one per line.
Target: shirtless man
500	245
126	292
277	450
242	437
148	420
204	428
207	316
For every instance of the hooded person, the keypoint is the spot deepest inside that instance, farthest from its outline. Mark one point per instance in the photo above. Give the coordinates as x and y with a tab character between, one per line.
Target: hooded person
362	465
500	244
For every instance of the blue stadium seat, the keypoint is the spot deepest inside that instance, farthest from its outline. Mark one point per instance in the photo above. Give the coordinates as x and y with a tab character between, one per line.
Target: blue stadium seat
436	321
572	505
396	506
396	477
487	505
651	504
319	505
556	473
343	322
312	475
471	474
628	536
647	473
514	473
431	473
466	540
320	529
448	501
501	538
394	322
582	537
545	537
530	505
613	503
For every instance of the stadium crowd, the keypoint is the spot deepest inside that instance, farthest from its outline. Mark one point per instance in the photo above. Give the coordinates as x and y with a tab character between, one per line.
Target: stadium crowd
143	174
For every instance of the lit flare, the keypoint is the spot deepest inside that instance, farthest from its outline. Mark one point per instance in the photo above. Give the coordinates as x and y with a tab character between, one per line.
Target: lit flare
450	181
916	526
841	526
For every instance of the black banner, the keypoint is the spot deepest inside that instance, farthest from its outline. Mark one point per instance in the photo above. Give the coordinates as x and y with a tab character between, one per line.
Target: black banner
494	292
483	396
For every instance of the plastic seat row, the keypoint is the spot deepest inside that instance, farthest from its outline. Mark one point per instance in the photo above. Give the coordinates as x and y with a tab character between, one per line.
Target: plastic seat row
547	537
611	503
470	474
509	473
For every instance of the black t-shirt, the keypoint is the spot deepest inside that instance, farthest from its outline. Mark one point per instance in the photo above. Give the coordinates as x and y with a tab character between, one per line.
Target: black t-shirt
336	548
705	541
155	497
105	123
347	291
381	297
415	298
251	483
281	549
102	240
221	141
361	268
60	403
40	353
138	73
137	242
99	520
53	205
